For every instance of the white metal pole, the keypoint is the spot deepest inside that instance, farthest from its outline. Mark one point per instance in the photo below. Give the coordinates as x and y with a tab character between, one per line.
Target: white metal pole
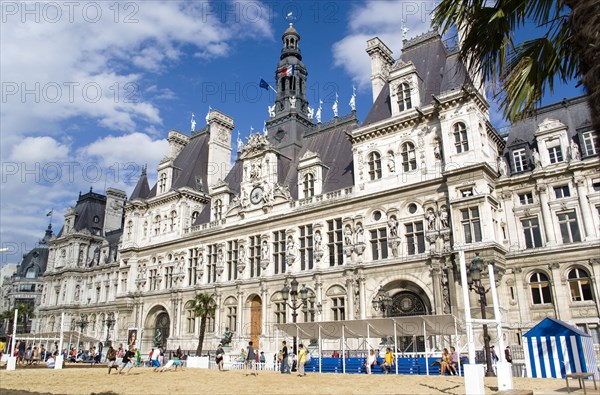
468	321
425	341
320	349
14	334
457	346
395	347
497	316
343	350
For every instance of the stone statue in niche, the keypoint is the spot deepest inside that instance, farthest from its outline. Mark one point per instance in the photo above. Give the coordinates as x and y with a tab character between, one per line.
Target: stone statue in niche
537	160
444	217
293	102
271	111
391	163
347	235
393	226
430	219
502	168
574	151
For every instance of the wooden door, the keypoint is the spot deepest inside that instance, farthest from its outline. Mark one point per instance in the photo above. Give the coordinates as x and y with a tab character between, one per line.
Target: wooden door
255	321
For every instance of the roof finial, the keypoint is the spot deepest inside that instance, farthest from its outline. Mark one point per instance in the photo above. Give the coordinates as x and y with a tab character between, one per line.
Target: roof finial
144	170
290	17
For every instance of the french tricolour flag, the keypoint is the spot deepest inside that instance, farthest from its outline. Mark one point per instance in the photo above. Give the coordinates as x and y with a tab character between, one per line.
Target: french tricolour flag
288	71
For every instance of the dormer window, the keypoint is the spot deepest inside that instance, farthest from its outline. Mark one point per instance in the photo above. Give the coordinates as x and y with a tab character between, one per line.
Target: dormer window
173	220
194	216
554	151
157	225
461	141
309	185
404	102
409	159
374	160
590	143
519	160
218	210
162	183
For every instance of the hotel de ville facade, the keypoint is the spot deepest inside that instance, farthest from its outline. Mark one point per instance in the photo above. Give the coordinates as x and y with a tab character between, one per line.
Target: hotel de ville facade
344	208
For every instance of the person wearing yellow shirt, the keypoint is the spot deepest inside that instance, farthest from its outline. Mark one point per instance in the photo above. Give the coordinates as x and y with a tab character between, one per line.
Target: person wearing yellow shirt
301	360
388	361
1	348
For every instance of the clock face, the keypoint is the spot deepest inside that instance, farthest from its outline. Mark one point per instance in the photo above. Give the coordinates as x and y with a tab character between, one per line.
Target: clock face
256	195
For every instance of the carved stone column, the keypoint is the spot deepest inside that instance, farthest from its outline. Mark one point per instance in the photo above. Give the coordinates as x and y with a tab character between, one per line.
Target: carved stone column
546	214
218	296
362	295
319	296
435	272
586	213
263	296
350	295
240	312
522	295
558	286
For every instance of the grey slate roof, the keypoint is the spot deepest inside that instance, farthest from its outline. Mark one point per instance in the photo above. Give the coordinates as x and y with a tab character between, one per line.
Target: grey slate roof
191	165
439	70
142	189
334	149
37	257
575	113
88	207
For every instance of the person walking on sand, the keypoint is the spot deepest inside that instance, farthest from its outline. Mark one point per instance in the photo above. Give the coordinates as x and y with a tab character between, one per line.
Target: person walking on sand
301	360
127	360
285	366
219	356
250	360
111	359
154	358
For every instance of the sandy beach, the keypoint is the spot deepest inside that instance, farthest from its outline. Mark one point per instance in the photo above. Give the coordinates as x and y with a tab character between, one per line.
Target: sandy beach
200	381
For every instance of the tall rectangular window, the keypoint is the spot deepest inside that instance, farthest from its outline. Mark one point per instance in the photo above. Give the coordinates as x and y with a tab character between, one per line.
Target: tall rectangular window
569	228
232	318
254	256
168	277
280	313
415	238
379	243
279	251
590	143
335	242
306	247
211	264
338	308
471	224
519	160
562	191
153	279
531	231
192	266
555	154
232	257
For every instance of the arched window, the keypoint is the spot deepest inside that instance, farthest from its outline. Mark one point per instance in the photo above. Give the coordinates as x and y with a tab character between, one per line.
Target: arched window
31	272
409	159
540	288
195	216
374	160
145	228
580	286
309	185
460	138
162	183
218	210
230	306
404	102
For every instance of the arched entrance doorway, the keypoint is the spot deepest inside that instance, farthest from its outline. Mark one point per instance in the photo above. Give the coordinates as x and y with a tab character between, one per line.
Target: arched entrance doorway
407	299
161	330
255	320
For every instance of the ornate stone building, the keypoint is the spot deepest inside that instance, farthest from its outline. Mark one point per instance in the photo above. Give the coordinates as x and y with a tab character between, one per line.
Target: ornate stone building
349	209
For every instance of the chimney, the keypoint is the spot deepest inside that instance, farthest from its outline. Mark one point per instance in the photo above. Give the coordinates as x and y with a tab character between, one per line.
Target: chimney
219	147
381	61
113	212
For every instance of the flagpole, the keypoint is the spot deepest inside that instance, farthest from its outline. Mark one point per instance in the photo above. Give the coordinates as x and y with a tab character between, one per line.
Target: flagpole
262	79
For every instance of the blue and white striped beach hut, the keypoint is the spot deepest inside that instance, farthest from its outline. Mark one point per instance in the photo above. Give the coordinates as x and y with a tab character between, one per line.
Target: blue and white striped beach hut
554	348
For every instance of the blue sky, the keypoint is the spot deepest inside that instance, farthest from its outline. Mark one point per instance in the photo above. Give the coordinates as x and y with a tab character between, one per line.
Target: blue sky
91	89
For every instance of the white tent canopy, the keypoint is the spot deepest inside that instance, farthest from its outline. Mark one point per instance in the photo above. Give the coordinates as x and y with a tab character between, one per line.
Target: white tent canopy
375	327
422	325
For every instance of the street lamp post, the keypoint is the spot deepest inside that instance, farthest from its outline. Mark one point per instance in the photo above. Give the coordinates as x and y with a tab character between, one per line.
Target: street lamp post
81	323
476	285
382	301
305	301
109	321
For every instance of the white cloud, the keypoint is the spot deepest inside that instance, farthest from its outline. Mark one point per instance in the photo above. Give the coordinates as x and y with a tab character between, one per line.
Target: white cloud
383	19
39	149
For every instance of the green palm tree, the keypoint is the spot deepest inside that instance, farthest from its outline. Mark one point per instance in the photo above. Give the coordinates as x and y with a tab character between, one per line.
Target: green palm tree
26	312
7	316
568	46
203	306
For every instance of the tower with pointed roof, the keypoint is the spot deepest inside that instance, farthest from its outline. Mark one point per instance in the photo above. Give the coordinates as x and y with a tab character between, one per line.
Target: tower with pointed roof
291	121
